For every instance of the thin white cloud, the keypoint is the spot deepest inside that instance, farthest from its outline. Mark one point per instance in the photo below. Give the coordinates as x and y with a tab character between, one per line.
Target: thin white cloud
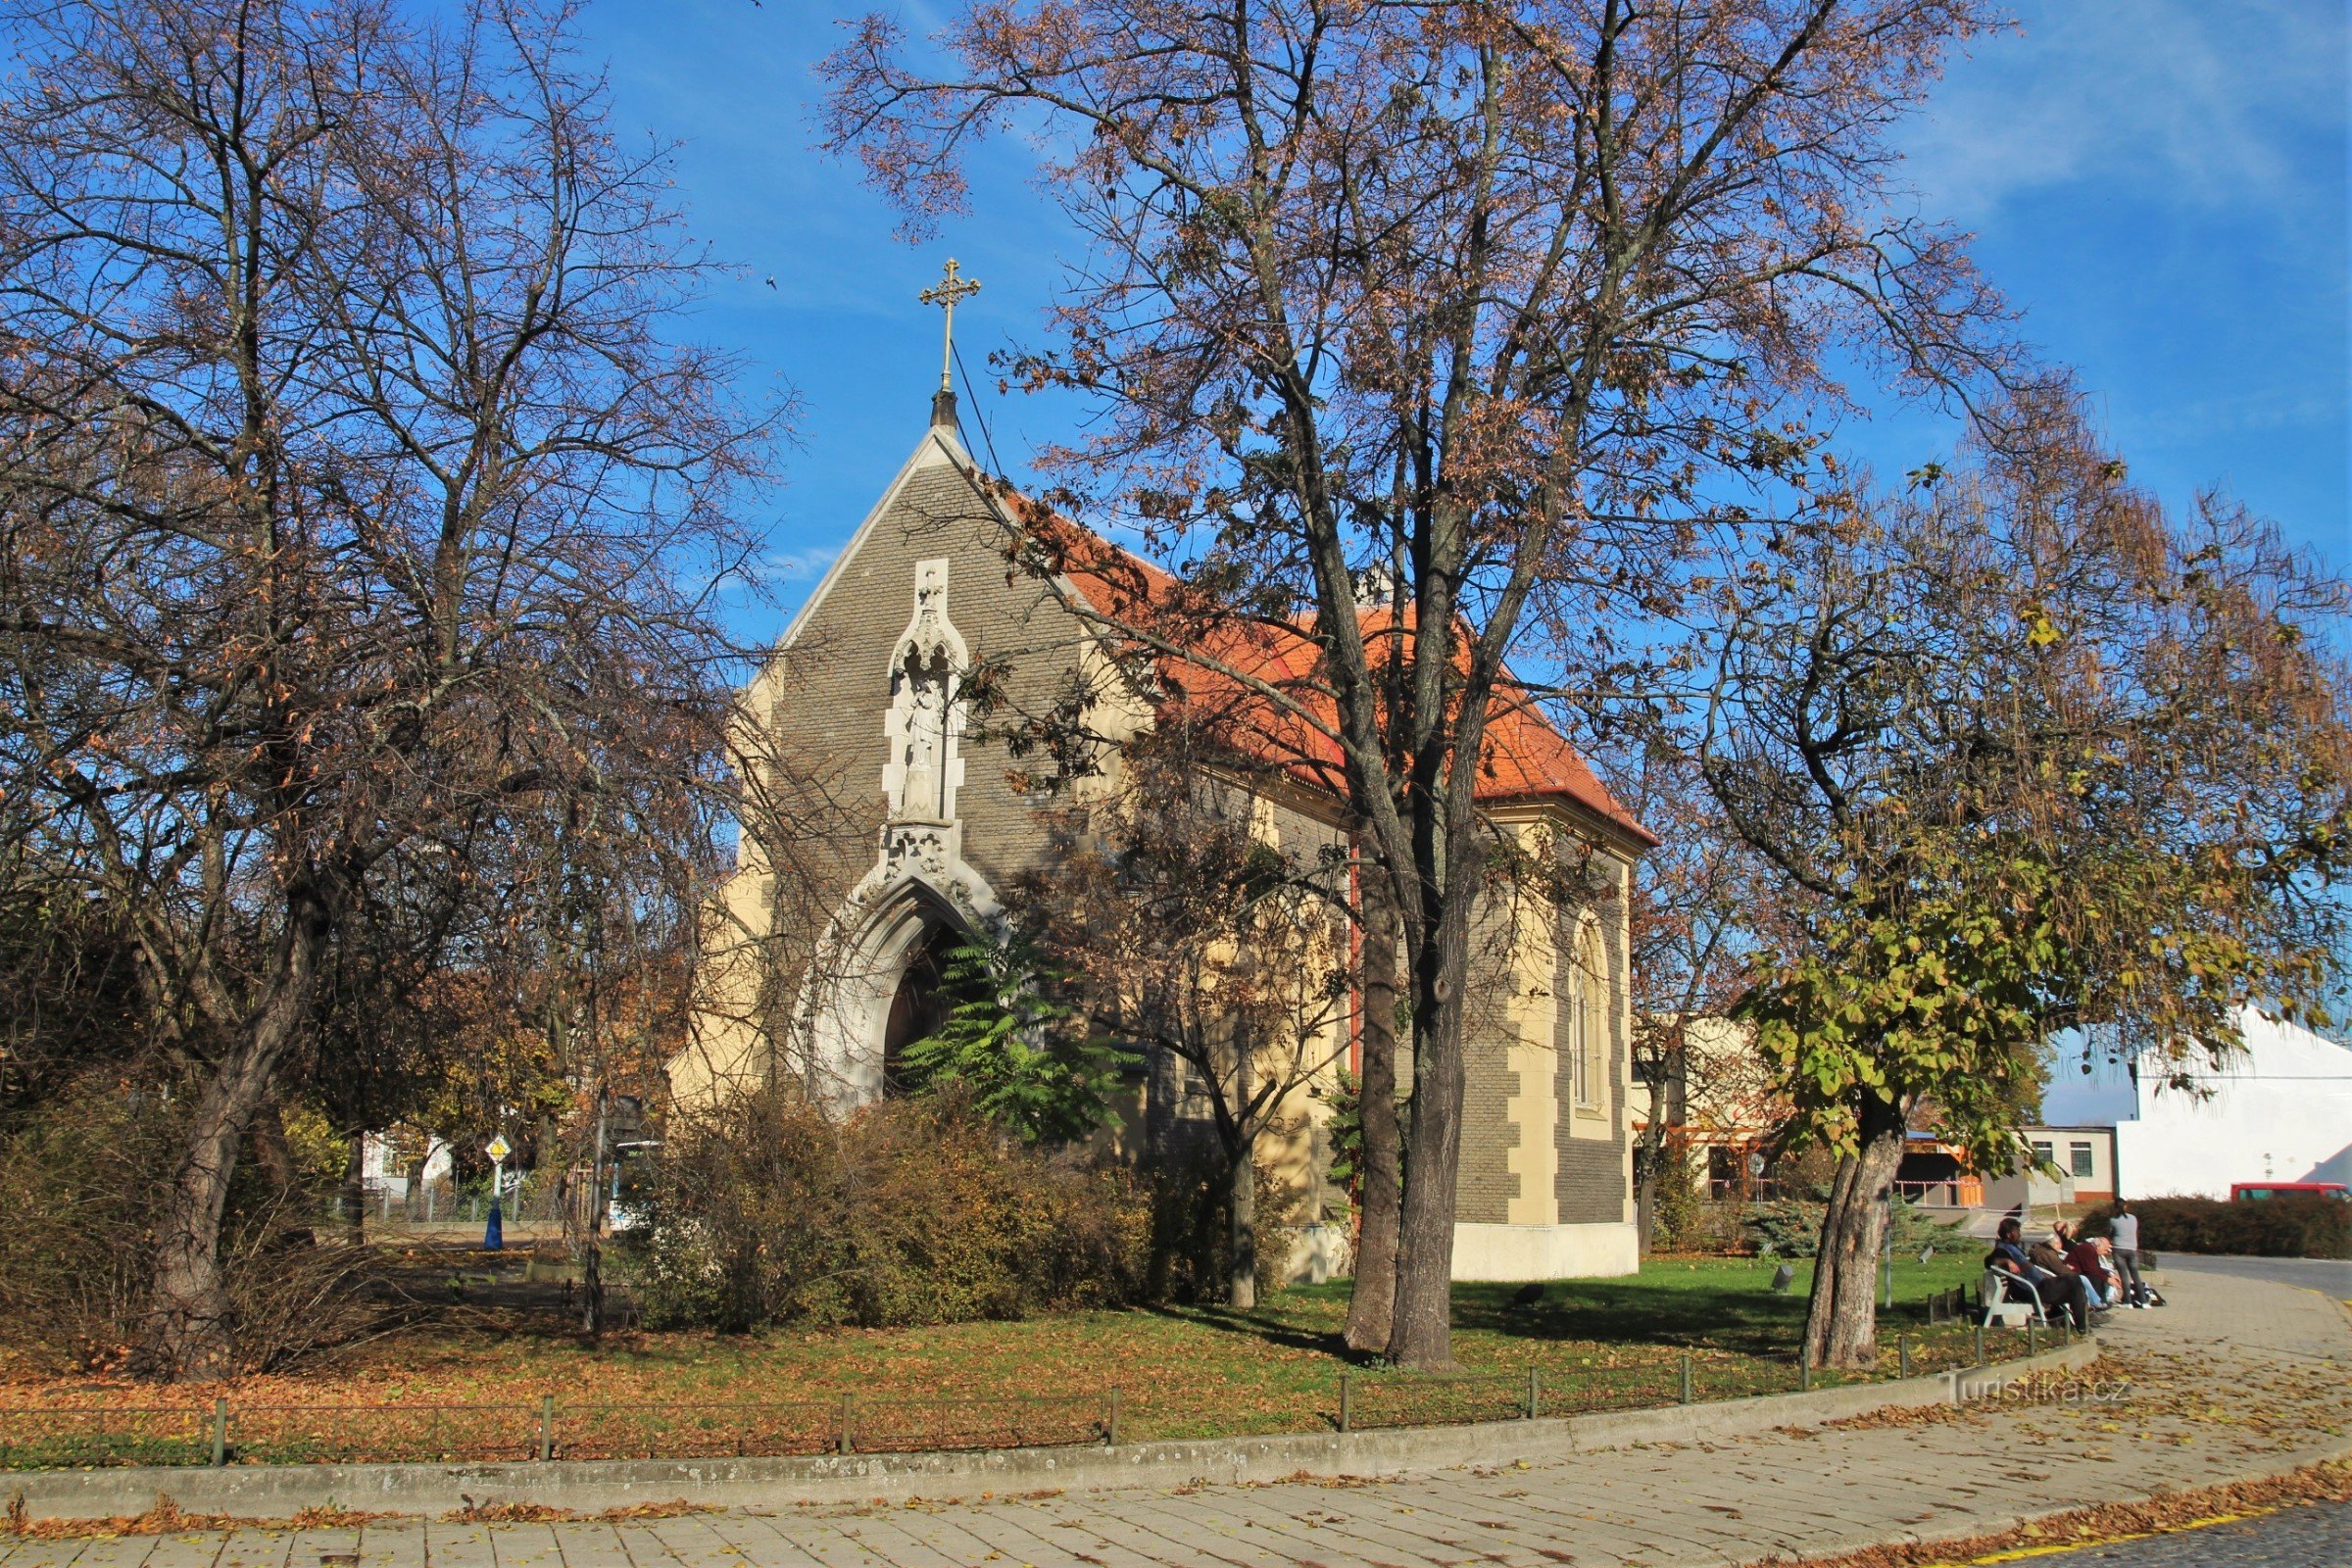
2214	104
805	564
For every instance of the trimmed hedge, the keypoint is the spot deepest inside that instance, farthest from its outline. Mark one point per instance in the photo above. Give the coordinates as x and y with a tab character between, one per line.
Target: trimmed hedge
2276	1226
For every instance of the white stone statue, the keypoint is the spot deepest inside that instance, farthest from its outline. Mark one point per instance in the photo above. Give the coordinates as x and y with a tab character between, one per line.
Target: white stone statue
920	775
927	738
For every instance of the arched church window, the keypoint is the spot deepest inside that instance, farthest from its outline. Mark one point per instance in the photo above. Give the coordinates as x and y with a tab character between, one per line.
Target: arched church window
1589	1020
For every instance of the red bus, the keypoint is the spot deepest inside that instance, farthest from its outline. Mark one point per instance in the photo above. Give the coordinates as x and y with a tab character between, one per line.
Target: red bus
2256	1192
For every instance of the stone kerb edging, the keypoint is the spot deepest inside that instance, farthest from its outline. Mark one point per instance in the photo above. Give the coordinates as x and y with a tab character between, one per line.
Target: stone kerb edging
274	1492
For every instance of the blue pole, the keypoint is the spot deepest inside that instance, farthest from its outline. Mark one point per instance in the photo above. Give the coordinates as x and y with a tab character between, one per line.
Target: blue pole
494	1234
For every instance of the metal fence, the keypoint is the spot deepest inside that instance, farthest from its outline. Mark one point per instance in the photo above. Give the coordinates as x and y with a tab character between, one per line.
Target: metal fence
80	1436
1392	1399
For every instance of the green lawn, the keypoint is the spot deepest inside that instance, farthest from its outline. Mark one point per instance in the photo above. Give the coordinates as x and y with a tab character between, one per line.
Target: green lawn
1596	1344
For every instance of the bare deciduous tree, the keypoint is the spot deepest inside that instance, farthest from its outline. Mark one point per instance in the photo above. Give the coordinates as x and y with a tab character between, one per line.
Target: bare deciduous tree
1188	931
361	495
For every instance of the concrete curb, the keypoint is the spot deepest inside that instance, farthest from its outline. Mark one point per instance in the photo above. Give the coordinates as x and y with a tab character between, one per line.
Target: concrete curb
277	1491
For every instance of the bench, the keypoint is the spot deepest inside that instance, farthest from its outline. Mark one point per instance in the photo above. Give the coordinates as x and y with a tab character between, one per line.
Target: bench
2009	1301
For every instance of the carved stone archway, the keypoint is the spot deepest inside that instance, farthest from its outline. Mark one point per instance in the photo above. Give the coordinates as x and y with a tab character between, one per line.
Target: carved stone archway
892	926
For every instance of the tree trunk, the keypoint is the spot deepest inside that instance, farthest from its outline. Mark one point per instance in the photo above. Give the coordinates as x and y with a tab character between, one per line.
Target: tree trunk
1645	1191
355	1190
1241	1205
270	1151
275	1156
1241	1184
1645	1197
1380	1192
1841	1318
190	1330
1422	1334
592	1261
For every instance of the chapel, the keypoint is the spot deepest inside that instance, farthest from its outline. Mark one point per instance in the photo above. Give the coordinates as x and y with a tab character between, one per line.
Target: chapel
826	969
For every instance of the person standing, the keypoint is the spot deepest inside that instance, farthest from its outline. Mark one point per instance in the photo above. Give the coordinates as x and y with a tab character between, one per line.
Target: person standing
2122	1229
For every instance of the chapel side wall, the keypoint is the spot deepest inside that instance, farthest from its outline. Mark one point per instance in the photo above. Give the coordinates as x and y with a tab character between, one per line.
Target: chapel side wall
1494	994
1298	1152
1548	1160
799	813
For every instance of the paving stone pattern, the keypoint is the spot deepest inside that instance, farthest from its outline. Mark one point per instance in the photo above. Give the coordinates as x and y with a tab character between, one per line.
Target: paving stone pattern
2235	1378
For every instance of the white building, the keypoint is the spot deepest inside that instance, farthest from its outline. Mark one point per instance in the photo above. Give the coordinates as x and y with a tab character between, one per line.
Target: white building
2278	1110
402	1162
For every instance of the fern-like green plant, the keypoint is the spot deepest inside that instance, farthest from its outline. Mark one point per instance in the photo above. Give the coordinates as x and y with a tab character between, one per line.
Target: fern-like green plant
1023	1058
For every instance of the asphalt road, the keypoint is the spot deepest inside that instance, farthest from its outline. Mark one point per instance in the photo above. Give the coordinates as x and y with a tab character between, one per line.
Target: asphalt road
2331	1277
2316	1537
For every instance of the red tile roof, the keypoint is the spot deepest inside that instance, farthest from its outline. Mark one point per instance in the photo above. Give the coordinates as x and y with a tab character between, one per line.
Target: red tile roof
1525	759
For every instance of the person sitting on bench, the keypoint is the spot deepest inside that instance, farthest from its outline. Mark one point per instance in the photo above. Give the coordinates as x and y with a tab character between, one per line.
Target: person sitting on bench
2089	1259
2008	1256
2073	1288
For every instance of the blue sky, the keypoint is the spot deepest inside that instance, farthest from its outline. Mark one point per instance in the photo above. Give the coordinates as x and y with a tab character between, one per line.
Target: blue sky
2162	185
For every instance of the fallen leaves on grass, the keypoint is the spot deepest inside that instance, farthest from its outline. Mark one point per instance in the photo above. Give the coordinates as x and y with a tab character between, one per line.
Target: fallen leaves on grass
467	1381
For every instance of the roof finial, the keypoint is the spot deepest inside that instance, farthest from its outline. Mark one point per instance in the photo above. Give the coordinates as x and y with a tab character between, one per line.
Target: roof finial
951	288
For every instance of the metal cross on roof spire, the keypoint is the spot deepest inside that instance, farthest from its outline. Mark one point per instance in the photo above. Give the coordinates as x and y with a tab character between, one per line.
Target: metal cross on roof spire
951	288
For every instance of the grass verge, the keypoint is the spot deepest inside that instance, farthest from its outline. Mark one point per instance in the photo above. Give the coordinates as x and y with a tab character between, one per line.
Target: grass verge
470	1381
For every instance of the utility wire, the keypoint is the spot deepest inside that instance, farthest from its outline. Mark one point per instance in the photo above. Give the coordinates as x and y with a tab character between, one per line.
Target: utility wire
987	437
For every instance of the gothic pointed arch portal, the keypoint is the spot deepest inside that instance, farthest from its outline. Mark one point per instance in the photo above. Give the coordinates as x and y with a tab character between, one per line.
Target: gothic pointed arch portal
883	989
921	1003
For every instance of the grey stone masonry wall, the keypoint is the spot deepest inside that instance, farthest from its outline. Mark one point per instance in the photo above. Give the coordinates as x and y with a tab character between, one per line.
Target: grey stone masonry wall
833	690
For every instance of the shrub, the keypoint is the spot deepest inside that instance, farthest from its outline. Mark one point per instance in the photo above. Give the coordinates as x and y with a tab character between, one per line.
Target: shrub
1715	1227
911	1211
1792	1229
81	1185
1022	1057
1785	1228
2279	1227
1674	1213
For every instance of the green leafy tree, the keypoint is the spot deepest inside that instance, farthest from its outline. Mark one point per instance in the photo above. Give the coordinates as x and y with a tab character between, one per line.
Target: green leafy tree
2023	757
1023	1057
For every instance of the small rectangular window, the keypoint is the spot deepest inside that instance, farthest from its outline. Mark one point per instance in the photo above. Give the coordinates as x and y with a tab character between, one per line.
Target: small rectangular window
2044	1154
2078	1156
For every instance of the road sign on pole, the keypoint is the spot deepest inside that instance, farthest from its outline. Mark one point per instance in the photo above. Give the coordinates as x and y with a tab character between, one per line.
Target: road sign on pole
493	1234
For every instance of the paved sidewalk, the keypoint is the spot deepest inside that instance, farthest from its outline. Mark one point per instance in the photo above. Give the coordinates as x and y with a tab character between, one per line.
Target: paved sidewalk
2235	1378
